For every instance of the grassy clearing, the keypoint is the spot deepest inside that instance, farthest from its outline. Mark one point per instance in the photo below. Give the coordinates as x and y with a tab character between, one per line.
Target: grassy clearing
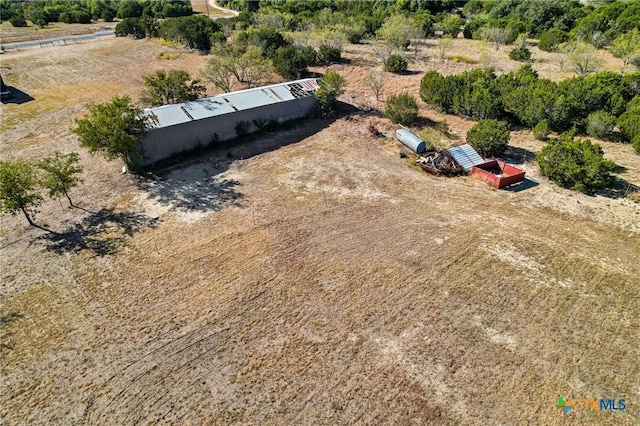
342	286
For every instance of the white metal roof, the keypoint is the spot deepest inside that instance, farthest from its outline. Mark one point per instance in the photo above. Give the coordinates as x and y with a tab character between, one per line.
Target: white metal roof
170	115
466	156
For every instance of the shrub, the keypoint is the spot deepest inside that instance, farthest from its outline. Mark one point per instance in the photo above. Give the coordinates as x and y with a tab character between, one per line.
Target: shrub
401	109
521	54
600	124
18	20
395	64
331	86
549	40
328	53
576	164
629	122
636	144
541	131
290	62
489	137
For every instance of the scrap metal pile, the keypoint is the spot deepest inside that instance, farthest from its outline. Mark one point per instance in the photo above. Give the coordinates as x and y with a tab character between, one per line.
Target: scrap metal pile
439	163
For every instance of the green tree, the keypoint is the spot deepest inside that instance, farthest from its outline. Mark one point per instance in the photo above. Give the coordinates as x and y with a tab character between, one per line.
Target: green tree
18	189
627	46
219	72
114	129
551	39
489	137
576	164
582	58
18	20
60	173
629	121
331	86
164	88
290	62
401	109
398	31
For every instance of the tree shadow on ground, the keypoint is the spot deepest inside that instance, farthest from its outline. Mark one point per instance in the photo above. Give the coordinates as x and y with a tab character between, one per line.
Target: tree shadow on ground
103	232
197	181
621	188
518	156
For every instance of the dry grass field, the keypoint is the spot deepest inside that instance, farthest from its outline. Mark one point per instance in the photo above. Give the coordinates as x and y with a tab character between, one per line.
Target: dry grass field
308	276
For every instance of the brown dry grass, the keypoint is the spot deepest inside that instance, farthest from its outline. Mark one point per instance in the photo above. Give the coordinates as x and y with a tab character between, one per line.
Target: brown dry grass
311	278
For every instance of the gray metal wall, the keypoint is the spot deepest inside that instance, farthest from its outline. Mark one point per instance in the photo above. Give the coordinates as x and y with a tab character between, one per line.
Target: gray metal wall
162	143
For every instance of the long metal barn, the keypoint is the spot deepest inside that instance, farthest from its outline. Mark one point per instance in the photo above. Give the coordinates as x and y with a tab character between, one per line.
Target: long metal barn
190	125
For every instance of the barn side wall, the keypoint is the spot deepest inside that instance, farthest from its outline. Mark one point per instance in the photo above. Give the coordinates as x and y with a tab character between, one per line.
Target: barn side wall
162	143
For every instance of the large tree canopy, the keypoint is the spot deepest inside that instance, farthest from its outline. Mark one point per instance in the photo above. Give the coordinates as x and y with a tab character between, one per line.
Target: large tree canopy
113	129
164	88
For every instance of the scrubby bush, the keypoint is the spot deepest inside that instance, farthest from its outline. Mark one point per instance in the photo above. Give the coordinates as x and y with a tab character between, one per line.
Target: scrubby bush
521	54
629	122
636	144
328	53
401	109
331	86
395	64
600	124
576	164
549	40
489	137
541	131
290	62
18	20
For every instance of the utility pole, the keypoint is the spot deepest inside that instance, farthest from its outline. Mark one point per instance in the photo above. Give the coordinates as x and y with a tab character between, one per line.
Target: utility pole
207	3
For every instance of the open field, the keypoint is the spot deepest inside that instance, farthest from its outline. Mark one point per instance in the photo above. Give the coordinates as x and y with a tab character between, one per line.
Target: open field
309	276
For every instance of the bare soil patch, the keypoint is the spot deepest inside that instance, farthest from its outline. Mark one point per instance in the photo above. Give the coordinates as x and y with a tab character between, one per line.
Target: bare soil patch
308	276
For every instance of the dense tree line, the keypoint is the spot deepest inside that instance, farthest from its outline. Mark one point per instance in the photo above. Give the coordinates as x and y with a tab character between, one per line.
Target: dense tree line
42	12
523	96
599	24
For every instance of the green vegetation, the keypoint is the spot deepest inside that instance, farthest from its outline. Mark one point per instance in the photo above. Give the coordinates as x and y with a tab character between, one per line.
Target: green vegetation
175	86
60	173
18	189
600	124
113	129
395	64
542	130
331	86
489	137
43	12
629	121
521	54
401	109
551	39
480	94
576	164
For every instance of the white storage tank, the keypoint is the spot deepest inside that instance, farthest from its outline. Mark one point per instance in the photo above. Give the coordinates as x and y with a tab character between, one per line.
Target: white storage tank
411	141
